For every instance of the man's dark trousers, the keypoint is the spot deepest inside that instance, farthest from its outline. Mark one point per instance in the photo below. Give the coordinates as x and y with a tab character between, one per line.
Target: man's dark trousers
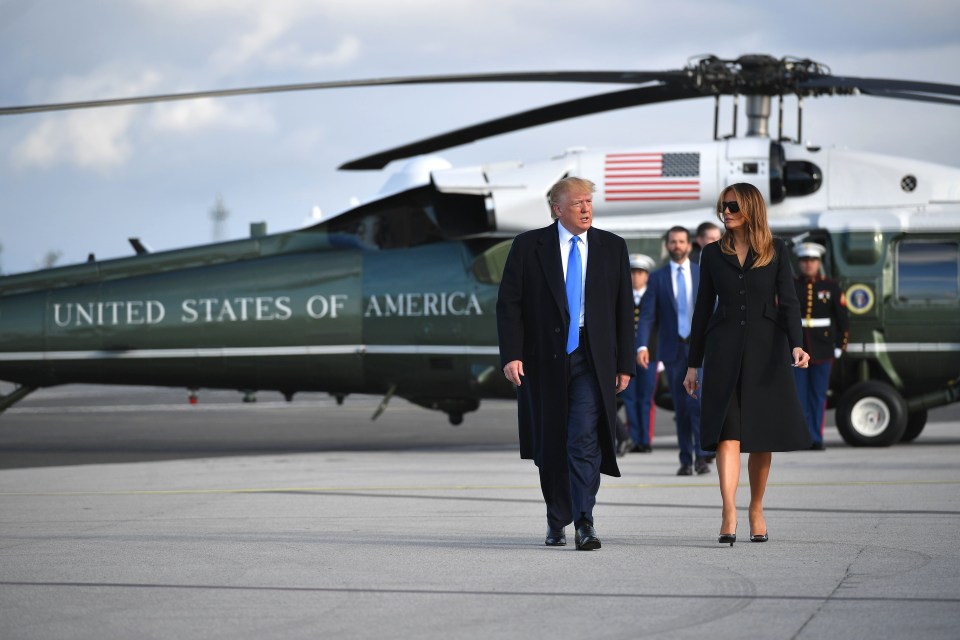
686	409
570	497
638	403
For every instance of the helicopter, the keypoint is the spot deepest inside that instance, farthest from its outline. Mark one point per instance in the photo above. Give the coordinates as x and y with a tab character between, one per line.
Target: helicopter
396	296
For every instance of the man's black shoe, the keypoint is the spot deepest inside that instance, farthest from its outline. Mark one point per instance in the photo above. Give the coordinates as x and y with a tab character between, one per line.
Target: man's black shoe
555	538
710	458
685	470
641	448
818	446
586	538
701	466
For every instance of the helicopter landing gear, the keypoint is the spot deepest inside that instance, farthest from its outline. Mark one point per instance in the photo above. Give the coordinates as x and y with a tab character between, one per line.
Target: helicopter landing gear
339	398
383	403
288	395
871	414
15	396
192	398
456	419
916	421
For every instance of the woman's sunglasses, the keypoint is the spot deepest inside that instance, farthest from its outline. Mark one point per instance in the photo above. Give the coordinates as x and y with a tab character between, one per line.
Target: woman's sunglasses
732	206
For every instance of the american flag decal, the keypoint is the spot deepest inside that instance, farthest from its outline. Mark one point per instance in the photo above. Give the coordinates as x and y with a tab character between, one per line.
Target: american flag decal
651	176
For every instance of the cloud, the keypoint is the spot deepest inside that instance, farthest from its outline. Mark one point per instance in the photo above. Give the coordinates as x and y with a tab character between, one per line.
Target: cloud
293	55
207	113
89	140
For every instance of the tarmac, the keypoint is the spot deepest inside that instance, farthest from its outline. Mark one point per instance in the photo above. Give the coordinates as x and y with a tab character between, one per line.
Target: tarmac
216	521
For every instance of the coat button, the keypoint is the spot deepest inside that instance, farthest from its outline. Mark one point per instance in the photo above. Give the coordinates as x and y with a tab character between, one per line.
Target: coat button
557	329
740	276
742	292
554	356
743	322
743	307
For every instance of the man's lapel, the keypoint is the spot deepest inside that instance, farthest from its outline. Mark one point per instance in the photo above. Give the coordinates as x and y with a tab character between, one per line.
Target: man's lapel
668	289
549	254
595	272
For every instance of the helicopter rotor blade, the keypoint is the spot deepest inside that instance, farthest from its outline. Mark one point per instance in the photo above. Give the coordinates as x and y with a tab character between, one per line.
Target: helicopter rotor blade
901	95
603	77
907	89
526	119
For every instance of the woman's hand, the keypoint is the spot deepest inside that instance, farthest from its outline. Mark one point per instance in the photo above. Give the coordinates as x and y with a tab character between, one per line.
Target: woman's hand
691	383
800	358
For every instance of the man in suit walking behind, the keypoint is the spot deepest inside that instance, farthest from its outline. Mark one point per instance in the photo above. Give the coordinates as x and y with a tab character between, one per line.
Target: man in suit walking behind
671	292
564	320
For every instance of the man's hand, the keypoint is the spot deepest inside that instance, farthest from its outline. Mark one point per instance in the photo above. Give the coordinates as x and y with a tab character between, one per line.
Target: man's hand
622	381
643	358
513	370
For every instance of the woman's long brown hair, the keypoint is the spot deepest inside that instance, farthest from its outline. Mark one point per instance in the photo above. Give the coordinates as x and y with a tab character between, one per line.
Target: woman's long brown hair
754	212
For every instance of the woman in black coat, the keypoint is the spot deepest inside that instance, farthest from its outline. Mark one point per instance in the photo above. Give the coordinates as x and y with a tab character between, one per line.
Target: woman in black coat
746	333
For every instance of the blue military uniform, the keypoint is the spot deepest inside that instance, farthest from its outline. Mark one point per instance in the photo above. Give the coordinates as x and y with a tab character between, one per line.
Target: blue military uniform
638	396
823	314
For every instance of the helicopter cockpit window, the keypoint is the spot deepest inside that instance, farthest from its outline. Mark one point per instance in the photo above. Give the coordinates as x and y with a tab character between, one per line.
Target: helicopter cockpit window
801	178
488	266
928	271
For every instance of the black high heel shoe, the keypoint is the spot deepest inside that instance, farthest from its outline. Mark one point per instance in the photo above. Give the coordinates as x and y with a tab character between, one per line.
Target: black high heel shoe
728	538
759	538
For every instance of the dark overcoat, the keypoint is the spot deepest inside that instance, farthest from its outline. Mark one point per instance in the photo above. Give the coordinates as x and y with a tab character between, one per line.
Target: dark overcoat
749	336
532	322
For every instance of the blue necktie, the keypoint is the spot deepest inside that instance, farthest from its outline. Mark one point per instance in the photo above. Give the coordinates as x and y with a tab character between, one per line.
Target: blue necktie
574	293
683	314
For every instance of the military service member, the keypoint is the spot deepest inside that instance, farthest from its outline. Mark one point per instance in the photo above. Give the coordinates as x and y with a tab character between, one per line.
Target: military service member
823	312
638	396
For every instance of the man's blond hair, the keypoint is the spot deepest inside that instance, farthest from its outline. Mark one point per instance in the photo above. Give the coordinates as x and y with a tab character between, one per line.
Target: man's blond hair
565	186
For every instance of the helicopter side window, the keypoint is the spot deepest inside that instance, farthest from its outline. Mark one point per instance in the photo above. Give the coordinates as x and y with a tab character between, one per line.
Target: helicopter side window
928	271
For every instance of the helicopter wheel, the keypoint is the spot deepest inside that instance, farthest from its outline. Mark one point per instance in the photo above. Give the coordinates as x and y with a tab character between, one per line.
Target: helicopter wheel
916	421
871	414
456	419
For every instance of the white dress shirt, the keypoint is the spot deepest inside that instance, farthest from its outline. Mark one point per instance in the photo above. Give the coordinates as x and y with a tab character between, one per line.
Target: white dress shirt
638	295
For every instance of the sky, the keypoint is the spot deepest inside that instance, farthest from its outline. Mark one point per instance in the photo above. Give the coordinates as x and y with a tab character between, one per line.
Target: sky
75	183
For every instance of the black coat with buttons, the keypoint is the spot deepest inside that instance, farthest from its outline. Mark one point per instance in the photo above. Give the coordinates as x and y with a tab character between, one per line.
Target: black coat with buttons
532	321
749	336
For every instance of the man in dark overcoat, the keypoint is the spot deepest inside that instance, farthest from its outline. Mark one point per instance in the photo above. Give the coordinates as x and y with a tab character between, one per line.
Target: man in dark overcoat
565	325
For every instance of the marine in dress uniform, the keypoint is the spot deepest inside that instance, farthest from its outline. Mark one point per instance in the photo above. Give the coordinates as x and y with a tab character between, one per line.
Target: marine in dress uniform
823	313
638	396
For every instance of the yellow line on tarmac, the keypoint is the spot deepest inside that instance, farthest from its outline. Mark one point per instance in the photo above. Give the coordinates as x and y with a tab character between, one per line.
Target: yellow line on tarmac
473	487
